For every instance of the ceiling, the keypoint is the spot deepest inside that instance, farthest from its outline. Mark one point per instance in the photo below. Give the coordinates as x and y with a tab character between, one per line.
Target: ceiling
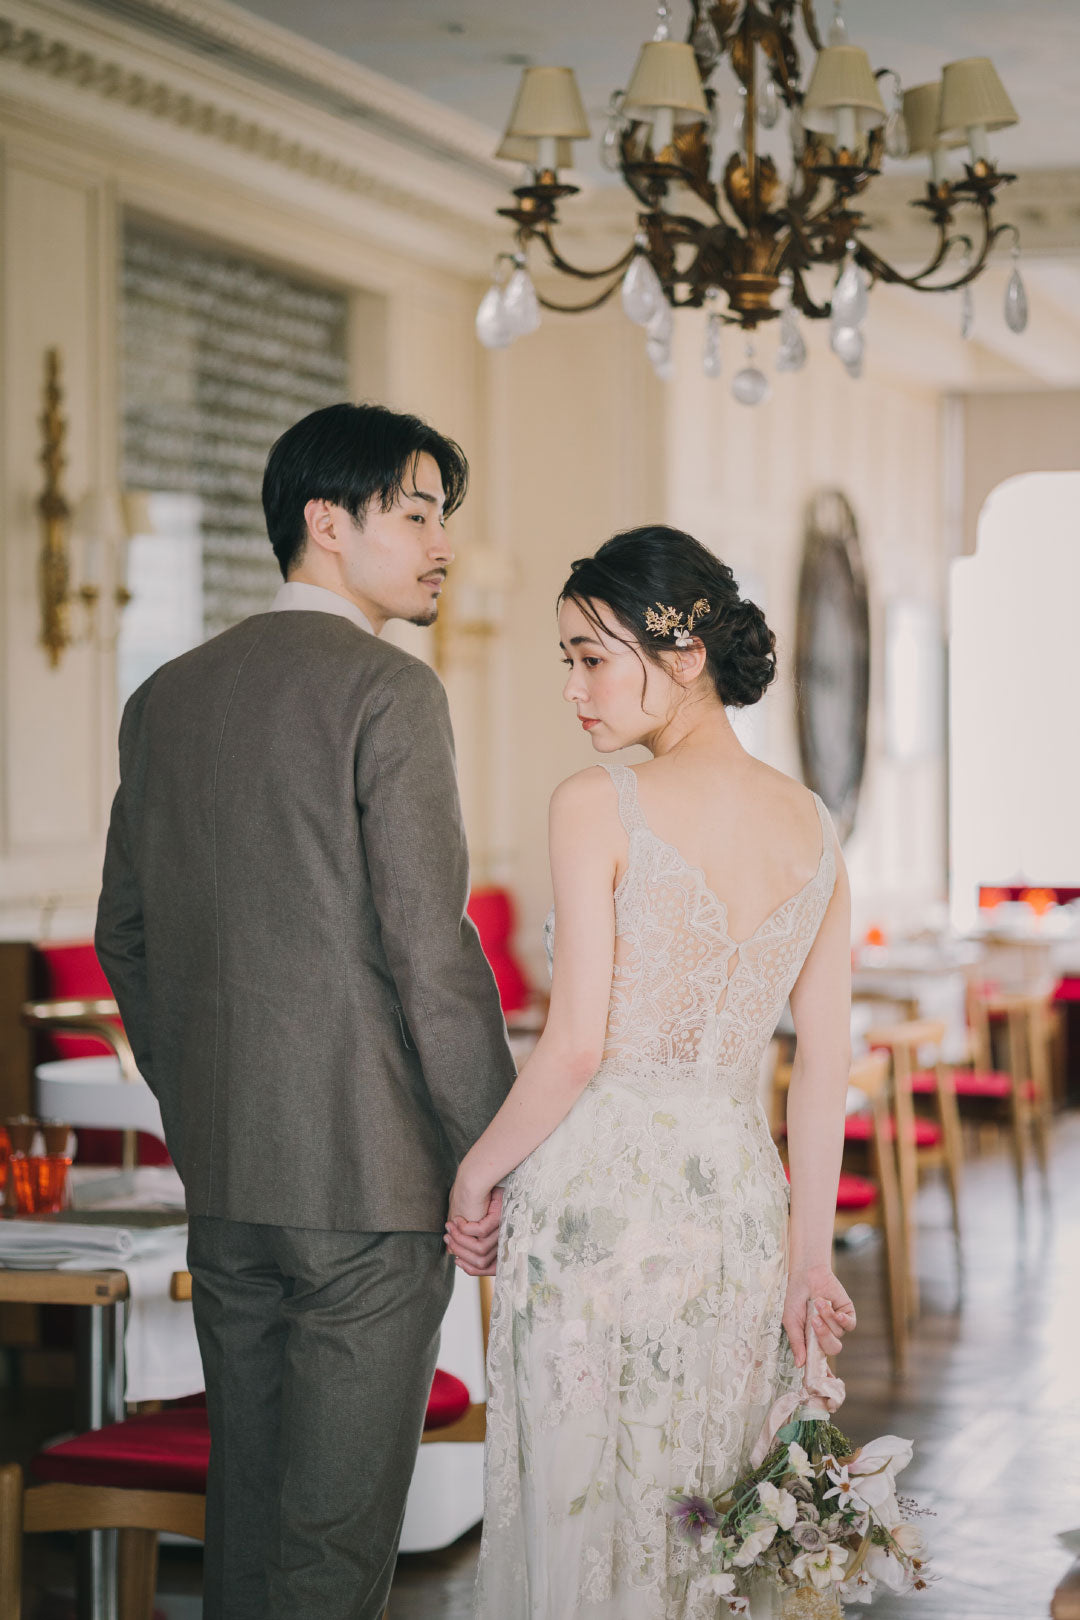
468	54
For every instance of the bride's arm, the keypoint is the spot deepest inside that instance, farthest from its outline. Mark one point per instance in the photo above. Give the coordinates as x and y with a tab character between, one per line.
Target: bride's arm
583	838
821	1011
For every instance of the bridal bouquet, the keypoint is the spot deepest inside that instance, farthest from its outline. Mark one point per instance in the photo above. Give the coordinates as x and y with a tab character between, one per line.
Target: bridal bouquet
816	1516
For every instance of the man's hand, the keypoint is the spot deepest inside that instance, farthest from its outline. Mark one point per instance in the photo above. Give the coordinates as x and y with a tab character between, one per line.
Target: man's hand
474	1243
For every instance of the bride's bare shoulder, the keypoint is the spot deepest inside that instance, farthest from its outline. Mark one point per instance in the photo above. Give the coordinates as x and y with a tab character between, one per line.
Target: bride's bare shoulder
585	793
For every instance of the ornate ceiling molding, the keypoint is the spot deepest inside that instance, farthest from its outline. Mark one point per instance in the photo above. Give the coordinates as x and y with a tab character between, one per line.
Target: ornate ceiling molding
113	65
276	56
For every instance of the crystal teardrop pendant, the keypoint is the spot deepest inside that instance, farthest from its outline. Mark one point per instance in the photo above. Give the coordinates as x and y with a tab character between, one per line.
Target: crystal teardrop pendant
769	105
849	300
967	311
609	147
661	326
750	386
658	350
847	343
1016	304
896	135
738	123
520	304
791	355
660	330
492	327
712	355
642	294
705	40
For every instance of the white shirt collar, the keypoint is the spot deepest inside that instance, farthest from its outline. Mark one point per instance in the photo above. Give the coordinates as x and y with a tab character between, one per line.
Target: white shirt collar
295	595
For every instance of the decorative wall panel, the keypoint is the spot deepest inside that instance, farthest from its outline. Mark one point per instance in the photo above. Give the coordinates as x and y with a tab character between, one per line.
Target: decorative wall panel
220	355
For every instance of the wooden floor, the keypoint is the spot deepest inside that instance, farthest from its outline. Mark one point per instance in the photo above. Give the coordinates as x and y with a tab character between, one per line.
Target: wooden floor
989	1400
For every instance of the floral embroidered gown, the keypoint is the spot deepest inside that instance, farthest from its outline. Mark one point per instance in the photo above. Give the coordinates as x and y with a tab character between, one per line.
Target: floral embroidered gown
636	1341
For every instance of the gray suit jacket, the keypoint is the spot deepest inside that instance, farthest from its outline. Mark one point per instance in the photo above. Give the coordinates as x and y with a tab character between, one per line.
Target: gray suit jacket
282	921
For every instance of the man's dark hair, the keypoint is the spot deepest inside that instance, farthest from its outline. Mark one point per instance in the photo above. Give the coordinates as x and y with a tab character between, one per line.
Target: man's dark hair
350	455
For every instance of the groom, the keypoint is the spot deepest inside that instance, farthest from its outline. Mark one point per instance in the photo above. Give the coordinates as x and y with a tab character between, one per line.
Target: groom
283	923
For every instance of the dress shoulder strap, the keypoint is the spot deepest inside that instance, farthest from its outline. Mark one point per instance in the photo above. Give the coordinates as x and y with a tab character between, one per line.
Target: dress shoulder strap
828	845
625	780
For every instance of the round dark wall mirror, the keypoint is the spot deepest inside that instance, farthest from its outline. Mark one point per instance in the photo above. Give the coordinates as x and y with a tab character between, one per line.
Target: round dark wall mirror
832	657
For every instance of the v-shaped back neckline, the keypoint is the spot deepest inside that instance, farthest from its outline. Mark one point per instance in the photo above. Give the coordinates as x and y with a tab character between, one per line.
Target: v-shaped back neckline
641	824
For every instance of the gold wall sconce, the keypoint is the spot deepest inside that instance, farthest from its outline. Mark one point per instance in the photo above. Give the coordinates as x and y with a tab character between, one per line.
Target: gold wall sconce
57	594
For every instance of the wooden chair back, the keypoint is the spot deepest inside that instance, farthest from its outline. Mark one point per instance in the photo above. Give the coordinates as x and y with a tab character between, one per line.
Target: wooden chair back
906	1043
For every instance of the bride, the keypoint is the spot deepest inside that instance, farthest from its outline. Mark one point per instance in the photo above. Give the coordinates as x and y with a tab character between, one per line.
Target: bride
653	1290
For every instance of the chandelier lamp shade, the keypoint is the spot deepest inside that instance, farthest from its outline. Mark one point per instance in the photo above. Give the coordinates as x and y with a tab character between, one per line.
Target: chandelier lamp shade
842	100
749	228
548	111
666	81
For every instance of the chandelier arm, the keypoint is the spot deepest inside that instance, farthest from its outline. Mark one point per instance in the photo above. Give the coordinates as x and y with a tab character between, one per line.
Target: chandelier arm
783	58
640	192
885	272
810	24
580	309
543	234
802	300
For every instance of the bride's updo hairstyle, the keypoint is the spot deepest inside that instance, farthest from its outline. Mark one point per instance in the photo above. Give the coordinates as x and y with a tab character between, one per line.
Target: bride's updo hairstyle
643	571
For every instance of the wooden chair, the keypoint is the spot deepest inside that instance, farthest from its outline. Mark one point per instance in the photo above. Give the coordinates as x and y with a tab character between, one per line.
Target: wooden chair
140	1514
923	1146
1017	1099
869	1201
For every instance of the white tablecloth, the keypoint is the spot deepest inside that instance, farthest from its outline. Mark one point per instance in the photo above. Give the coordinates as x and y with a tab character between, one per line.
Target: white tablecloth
161	1355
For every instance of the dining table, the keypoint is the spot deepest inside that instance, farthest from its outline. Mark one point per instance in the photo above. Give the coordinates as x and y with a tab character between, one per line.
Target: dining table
109	1307
98	1299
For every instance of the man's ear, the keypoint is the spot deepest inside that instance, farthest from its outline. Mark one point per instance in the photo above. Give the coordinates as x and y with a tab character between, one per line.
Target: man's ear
323	520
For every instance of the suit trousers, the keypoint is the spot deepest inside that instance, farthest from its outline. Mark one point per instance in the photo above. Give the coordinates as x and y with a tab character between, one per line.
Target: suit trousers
319	1349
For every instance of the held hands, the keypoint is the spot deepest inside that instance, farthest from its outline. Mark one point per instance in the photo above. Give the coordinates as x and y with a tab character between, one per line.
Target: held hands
472	1231
815	1296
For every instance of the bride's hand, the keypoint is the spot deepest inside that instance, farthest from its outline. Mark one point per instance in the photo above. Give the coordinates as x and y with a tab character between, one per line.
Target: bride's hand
817	1297
472	1229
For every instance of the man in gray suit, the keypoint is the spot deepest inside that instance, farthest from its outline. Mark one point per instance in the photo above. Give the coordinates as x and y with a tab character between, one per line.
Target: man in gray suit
283	923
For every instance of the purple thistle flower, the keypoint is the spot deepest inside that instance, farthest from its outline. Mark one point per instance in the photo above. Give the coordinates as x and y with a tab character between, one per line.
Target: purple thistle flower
693	1514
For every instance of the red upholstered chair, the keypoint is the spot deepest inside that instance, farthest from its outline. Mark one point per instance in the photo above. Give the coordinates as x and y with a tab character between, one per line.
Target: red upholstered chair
148	1474
870	1200
492	911
69	971
1017	1100
923	1145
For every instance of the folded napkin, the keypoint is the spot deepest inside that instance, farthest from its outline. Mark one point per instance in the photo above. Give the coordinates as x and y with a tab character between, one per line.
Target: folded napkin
161	1353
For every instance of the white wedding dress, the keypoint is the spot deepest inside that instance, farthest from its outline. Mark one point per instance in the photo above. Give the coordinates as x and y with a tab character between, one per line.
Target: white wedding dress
636	1343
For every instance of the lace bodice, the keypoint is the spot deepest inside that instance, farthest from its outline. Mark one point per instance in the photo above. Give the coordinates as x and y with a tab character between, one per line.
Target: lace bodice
683	990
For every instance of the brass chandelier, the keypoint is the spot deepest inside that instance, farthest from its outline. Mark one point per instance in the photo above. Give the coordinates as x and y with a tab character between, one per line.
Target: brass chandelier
737	236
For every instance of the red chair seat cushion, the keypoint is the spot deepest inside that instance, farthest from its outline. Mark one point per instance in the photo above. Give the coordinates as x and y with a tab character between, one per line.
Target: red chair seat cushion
448	1401
170	1450
857	1129
967	1083
855	1192
160	1451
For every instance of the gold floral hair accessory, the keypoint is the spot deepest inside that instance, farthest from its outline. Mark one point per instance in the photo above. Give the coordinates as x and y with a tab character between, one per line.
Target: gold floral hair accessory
670	622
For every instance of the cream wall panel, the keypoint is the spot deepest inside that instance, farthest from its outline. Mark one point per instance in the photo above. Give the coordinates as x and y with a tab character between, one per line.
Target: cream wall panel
55	224
739	479
1007	434
575	454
